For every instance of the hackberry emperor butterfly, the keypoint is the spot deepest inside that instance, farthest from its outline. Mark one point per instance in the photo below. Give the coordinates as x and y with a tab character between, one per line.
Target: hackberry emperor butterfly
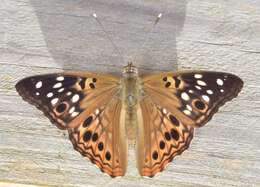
101	112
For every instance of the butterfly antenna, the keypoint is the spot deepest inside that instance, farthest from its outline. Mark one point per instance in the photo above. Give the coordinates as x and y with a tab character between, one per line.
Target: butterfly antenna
108	36
159	16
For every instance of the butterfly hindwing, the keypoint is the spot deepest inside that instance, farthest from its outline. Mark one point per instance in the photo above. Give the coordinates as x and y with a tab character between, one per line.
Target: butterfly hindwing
162	139
171	105
89	106
101	137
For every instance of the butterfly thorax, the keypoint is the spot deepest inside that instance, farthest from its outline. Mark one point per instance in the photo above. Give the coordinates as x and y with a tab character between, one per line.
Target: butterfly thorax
130	85
130	95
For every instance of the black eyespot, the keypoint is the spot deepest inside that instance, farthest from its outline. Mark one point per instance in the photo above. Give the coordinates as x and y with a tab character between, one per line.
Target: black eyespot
162	145
177	82
168	84
108	155
94	80
167	136
61	107
164	79
88	121
175	135
155	155
94	137
174	120
91	85
100	146
87	136
199	105
82	83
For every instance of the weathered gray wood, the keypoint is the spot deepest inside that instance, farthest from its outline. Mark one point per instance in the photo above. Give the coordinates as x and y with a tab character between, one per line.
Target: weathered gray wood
45	36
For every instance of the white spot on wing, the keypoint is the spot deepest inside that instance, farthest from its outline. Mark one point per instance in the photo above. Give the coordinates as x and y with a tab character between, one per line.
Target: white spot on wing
185	96
38	84
220	82
57	85
198	87
68	93
164	111
50	94
72	110
187	112
210	92
201	83
221	90
37	93
191	91
75	98
61	90
189	107
97	111
54	101
198	76
206	98
60	78
74	114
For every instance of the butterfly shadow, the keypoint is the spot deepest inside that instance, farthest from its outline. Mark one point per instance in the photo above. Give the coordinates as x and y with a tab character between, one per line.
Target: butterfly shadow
76	41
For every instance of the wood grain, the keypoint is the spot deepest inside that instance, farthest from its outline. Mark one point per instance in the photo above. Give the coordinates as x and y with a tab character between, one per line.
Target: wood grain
46	36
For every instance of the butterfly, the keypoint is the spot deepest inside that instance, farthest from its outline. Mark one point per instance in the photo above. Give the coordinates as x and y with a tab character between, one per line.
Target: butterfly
105	113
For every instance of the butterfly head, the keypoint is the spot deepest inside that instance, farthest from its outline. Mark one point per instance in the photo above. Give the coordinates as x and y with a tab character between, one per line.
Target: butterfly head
130	70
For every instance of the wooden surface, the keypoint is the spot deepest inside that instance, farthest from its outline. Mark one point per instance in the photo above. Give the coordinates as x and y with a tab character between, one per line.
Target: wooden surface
39	36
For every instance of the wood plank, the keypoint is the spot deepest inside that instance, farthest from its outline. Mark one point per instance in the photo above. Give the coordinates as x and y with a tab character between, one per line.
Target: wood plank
49	36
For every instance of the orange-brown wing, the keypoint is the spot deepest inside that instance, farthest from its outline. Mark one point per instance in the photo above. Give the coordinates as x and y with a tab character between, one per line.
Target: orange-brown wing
101	138
64	97
161	137
72	99
178	101
194	96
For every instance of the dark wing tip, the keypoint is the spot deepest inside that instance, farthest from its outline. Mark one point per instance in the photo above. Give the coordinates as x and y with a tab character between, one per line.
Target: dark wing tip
23	87
235	84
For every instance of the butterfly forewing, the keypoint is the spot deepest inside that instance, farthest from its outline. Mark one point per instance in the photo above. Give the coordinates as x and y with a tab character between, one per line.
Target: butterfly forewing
193	96
89	106
63	97
172	104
